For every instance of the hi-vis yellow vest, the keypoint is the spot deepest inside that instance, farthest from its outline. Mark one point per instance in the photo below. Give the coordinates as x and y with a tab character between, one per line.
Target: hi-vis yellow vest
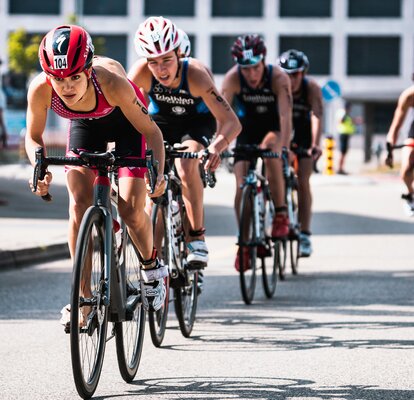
346	127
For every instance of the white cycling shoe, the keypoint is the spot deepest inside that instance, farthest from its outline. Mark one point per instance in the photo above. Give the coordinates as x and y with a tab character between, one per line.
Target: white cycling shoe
153	287
197	254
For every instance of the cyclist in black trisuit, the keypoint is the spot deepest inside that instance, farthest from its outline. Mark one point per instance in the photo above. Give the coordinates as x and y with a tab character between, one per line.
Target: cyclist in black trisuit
307	125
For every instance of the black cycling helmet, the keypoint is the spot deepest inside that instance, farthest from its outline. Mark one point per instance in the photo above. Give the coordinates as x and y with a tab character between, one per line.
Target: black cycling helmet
248	50
292	61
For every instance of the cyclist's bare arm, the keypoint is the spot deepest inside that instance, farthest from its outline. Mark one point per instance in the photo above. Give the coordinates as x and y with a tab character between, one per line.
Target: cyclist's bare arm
141	75
231	85
119	92
315	100
405	101
282	89
228	125
38	101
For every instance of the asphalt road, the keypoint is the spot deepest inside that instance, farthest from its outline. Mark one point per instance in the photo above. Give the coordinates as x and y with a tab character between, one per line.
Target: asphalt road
342	329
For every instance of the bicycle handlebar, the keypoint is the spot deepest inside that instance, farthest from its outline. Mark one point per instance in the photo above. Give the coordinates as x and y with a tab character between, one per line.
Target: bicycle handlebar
108	161
250	151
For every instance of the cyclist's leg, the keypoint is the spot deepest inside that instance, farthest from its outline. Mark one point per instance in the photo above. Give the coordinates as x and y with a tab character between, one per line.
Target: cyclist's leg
407	166
305	167
274	170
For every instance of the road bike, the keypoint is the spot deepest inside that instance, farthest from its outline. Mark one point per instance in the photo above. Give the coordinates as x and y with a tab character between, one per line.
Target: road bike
106	274
170	224
257	212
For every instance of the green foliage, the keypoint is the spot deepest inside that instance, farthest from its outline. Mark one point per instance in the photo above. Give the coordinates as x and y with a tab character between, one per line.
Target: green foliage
23	52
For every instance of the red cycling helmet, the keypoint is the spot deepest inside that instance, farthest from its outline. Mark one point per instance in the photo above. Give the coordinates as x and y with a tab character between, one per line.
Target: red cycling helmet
248	50
66	50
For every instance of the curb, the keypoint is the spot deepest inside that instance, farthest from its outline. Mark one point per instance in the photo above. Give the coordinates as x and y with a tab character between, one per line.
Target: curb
10	259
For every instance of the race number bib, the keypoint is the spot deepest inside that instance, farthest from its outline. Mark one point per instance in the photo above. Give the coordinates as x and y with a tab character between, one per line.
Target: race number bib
60	62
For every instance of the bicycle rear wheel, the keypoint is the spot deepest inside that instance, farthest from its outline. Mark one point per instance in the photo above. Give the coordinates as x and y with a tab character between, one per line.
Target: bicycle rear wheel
157	320
247	246
294	255
129	334
89	311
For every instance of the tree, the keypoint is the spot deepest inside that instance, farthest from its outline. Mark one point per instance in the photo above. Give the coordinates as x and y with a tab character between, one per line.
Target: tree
23	52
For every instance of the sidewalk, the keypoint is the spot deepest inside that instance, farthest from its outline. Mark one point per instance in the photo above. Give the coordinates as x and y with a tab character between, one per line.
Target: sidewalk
33	231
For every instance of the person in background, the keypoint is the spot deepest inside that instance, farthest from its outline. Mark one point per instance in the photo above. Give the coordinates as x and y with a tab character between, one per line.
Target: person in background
262	97
188	108
307	124
405	103
346	128
3	130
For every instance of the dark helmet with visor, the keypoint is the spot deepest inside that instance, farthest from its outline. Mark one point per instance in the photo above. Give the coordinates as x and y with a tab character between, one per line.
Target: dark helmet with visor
292	61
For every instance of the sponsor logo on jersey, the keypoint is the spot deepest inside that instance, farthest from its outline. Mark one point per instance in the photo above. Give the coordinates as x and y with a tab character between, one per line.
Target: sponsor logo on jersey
173	99
178	110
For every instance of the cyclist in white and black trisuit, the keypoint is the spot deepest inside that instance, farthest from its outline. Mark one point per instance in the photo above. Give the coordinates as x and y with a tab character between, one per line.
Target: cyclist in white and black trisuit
188	108
262	98
307	124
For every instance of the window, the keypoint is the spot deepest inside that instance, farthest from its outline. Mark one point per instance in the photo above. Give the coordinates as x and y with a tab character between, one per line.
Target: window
317	49
107	7
305	8
48	7
183	8
222	60
113	46
373	55
239	8
374	8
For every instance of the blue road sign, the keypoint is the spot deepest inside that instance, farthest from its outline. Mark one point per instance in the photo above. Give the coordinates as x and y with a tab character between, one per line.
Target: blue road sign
331	90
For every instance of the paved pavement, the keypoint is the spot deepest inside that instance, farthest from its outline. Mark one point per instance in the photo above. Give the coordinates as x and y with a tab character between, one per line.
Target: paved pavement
33	231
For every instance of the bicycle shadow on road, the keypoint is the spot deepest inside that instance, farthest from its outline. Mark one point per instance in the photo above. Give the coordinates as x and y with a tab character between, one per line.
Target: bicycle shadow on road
337	223
233	387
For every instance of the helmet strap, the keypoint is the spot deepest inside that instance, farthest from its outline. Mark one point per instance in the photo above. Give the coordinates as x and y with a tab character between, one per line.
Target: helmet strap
179	65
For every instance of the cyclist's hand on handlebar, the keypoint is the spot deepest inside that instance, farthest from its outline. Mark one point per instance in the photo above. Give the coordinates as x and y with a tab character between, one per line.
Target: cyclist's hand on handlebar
42	185
315	153
389	159
159	186
213	158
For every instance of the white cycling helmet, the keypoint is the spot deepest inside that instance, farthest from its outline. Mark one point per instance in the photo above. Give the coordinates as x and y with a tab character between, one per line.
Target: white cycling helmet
155	37
185	44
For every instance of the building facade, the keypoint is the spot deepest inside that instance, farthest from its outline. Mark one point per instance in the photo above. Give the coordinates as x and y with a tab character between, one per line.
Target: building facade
367	46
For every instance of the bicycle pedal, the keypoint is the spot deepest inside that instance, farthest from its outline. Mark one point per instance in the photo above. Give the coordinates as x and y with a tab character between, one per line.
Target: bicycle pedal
195	265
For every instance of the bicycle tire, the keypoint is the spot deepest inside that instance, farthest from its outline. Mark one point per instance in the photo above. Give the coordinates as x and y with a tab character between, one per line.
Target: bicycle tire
281	253
292	201
157	320
269	272
294	255
129	334
186	293
249	241
88	342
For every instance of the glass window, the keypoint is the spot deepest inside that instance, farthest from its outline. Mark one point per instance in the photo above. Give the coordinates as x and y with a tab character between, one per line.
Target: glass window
374	8
113	46
239	8
317	49
183	8
107	7
222	60
305	8
48	7
373	55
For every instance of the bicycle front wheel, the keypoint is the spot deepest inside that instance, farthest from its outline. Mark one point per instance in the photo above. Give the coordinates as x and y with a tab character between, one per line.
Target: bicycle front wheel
157	320
185	303
129	334
247	246
89	309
